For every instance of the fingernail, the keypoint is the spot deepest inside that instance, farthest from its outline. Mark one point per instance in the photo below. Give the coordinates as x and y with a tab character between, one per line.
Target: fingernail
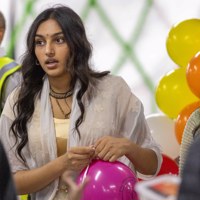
93	147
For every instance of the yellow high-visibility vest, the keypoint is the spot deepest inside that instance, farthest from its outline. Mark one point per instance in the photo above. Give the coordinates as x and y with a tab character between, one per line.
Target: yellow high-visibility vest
7	67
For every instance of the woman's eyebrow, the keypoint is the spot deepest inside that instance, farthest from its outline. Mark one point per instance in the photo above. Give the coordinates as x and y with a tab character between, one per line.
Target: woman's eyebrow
53	35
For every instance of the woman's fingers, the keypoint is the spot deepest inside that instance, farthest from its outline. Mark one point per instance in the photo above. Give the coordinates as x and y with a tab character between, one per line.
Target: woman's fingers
77	158
82	150
111	148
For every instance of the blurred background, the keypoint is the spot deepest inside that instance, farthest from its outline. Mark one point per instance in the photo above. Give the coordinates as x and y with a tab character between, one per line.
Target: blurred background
128	36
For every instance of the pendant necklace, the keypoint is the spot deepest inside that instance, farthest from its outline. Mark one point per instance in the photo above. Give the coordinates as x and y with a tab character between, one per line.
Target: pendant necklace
64	96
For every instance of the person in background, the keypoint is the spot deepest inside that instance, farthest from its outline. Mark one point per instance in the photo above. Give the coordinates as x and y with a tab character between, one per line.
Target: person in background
190	178
9	69
75	190
65	114
190	133
7	188
189	167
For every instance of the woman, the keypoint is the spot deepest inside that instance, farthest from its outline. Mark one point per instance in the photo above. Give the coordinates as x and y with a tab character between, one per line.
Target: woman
65	113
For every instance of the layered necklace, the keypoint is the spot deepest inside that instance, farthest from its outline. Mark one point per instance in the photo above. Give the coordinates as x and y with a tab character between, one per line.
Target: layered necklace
57	96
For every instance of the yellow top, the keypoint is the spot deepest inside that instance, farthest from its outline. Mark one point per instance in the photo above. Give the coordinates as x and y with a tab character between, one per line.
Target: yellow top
62	130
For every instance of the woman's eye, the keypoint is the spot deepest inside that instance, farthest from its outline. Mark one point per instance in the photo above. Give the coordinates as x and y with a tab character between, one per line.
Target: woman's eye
60	40
39	43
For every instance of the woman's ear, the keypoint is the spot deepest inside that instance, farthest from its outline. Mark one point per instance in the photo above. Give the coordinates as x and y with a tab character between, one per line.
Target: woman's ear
1	34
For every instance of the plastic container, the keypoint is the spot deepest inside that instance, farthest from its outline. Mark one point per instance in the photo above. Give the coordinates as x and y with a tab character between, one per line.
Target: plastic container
163	187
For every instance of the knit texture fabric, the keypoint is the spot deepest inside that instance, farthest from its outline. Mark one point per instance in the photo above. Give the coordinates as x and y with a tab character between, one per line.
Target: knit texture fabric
191	131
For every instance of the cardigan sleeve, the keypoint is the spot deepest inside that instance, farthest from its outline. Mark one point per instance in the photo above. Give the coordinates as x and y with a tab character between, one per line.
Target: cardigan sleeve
188	137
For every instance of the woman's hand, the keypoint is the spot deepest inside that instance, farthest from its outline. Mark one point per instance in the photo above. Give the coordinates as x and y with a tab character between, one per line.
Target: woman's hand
75	191
77	158
110	148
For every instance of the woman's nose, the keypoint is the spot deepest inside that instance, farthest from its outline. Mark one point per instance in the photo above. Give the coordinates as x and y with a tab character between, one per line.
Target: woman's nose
49	51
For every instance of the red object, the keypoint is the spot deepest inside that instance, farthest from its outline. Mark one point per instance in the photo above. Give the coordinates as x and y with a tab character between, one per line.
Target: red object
168	166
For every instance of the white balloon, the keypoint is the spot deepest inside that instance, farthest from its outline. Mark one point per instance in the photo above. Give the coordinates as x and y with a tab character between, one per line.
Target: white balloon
163	131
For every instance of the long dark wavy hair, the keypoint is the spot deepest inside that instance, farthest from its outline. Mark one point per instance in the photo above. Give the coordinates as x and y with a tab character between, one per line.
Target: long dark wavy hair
78	66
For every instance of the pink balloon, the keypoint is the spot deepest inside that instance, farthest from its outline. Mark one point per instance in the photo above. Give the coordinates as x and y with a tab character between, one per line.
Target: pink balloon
109	181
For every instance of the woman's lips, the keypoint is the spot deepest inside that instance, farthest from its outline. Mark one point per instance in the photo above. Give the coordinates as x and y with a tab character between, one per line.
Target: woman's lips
51	65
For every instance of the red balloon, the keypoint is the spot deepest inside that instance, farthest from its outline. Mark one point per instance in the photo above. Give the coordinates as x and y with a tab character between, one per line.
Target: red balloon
193	74
168	166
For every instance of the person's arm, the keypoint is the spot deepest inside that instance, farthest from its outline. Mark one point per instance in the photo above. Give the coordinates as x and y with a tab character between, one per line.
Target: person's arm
29	181
110	149
75	190
133	138
144	159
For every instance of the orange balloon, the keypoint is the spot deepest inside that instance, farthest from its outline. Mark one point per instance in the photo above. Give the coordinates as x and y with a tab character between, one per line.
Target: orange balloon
182	119
193	74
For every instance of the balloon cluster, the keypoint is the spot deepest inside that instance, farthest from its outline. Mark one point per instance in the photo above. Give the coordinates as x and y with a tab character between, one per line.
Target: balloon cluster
180	87
177	93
